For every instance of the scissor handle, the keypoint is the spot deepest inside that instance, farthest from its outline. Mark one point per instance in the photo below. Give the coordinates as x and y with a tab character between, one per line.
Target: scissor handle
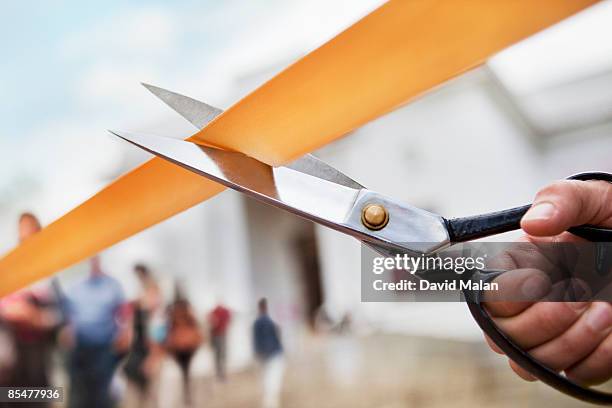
519	355
484	225
480	226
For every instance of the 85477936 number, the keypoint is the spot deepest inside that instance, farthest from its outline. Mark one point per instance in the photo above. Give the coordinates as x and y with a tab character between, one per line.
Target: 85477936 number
31	394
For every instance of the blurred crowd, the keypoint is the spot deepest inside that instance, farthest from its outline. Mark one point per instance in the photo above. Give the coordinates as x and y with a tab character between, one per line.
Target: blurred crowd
99	334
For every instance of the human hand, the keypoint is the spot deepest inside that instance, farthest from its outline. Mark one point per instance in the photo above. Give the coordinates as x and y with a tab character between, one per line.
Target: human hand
574	337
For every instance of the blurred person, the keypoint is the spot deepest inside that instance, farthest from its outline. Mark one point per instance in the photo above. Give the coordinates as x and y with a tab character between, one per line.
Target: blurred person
345	355
219	320
30	319
269	351
573	337
95	336
323	322
144	355
7	354
183	339
346	324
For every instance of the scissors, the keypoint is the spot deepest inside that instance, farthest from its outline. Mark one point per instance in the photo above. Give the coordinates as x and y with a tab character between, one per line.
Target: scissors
312	189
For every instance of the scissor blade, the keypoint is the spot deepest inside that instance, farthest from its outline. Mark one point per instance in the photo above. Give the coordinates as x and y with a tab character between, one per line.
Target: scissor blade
200	114
313	166
196	112
319	200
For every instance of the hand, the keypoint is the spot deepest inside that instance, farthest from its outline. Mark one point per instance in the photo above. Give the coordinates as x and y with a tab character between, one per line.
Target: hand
574	337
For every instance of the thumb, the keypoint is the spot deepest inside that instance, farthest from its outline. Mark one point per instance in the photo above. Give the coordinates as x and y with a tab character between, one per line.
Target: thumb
569	203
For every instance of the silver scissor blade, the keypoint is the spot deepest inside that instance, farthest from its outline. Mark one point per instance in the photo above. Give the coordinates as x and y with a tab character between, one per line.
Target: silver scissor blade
196	112
322	201
200	114
313	166
311	197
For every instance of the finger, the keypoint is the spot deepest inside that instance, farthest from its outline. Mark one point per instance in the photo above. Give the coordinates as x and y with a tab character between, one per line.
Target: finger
524	253
580	340
492	345
569	203
596	368
521	372
518	289
541	322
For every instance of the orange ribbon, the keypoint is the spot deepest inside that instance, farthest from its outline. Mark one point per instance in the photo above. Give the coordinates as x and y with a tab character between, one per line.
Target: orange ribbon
394	54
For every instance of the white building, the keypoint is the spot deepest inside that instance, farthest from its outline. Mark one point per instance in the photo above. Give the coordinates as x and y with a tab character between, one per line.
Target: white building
485	141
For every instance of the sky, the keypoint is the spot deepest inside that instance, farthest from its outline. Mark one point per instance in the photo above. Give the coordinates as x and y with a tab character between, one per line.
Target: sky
72	69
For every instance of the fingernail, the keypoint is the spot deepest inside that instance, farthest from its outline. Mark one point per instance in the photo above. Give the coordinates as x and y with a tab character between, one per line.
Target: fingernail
541	211
599	317
535	287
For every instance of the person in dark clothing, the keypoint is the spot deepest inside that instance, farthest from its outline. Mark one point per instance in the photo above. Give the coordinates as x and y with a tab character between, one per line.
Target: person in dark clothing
183	339
265	334
140	361
139	350
269	351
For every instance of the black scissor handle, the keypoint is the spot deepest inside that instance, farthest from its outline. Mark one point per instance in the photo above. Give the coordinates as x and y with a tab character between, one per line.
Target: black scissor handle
480	226
484	225
520	356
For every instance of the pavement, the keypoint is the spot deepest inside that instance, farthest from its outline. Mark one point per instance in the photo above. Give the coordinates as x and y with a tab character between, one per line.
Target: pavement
375	371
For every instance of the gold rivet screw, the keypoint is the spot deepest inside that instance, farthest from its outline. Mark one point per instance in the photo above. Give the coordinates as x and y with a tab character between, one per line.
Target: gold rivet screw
374	216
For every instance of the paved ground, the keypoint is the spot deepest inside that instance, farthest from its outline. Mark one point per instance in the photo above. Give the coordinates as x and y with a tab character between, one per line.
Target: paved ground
385	371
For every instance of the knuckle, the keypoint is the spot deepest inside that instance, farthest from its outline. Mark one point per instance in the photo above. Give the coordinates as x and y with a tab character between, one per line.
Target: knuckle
602	190
570	311
597	368
548	318
605	352
608	307
555	189
580	376
607	191
504	260
555	317
567	346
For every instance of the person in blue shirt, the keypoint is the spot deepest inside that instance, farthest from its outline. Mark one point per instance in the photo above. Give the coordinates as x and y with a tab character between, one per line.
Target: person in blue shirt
269	351
93	306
